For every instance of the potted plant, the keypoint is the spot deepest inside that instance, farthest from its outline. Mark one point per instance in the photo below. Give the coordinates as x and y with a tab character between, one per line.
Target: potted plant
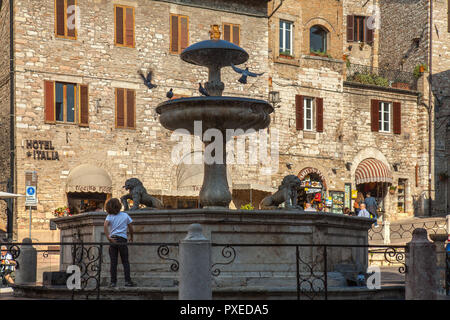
320	54
400	85
392	189
443	176
286	54
419	70
248	206
62	212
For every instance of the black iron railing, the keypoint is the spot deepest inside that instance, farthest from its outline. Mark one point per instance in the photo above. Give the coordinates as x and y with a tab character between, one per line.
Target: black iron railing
388	78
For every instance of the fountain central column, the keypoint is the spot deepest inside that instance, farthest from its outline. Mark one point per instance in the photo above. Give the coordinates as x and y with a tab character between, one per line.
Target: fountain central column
215	191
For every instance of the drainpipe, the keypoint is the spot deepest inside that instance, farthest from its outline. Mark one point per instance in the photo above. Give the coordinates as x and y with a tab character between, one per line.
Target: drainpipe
430	111
11	182
276	9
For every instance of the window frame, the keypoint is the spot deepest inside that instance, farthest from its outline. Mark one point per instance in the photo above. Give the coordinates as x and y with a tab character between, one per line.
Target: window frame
313	112
65	36
124	23
283	40
125	111
179	32
232	25
356	28
76	102
381	116
324	40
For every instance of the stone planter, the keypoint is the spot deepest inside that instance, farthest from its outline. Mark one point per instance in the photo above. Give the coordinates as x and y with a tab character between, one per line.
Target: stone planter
285	56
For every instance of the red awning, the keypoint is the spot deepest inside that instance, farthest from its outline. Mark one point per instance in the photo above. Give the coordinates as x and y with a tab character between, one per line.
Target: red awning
372	170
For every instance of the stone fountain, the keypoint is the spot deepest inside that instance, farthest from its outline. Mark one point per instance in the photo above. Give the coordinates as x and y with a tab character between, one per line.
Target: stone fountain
250	268
215	112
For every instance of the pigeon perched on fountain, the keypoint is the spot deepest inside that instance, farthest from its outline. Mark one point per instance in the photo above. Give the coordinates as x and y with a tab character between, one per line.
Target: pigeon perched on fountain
148	79
245	73
202	90
169	93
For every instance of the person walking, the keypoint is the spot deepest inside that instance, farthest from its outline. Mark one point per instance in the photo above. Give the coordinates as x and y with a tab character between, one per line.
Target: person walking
372	206
116	224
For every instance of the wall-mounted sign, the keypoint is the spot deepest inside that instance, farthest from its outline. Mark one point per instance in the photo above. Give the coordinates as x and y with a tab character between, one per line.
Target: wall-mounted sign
99	189
31	196
41	150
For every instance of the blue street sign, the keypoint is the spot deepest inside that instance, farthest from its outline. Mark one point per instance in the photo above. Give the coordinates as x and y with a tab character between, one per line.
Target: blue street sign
31	199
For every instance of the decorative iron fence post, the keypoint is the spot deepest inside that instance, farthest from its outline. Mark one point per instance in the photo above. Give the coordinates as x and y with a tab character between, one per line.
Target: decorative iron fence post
195	266
420	280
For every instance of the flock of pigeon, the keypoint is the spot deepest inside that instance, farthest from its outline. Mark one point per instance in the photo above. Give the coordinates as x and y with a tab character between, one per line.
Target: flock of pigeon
243	79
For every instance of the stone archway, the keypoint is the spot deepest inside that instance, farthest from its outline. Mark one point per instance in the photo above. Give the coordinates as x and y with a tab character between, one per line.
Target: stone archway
308	170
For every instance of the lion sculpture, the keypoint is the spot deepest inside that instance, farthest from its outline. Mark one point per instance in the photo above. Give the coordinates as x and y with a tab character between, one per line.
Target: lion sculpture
287	193
139	195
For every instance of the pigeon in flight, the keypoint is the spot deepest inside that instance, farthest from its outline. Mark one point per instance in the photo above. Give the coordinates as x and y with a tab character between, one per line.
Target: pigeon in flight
202	90
245	73
169	94
148	80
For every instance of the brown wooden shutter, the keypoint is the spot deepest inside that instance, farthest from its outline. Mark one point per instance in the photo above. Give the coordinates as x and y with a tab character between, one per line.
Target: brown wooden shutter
397	118
369	32
120	106
184	33
174	34
119	25
299	112
374	114
130	109
350	28
60	18
49	103
319	114
227	32
129	27
84	106
236	35
71	31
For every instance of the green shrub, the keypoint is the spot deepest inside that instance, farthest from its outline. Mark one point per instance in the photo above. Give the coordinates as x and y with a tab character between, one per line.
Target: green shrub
248	206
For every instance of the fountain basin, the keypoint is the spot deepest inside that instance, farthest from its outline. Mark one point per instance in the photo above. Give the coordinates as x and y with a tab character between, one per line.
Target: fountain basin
215	112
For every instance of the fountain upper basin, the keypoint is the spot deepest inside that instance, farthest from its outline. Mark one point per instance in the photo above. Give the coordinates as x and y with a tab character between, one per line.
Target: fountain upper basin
215	112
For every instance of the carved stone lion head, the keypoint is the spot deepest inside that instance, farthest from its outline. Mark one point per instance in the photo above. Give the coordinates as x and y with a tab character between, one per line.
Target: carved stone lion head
290	181
132	183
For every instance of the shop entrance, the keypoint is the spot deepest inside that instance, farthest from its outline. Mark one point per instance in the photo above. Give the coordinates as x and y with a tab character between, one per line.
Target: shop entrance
80	202
313	188
378	190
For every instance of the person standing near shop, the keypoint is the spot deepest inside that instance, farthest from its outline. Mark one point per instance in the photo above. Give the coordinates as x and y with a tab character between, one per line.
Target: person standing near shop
357	204
116	225
372	206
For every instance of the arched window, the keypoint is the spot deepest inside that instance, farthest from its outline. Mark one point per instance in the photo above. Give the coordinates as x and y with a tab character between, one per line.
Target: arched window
318	39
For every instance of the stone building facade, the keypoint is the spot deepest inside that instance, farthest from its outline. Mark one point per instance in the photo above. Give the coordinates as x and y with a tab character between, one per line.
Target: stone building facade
285	47
94	60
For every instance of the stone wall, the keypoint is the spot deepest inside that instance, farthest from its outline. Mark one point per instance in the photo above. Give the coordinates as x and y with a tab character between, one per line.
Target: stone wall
94	60
4	105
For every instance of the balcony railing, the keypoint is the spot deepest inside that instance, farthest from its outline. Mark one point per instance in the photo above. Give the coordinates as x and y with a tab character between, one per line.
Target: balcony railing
381	77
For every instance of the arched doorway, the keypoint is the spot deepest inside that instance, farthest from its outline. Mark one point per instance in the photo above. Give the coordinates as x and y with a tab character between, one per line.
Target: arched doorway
374	177
313	188
88	187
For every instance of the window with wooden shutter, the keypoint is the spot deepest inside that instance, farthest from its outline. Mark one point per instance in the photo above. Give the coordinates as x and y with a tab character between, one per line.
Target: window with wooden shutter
374	115
369	32
66	103
65	19
232	33
299	112
350	28
397	118
179	33
124	26
319	114
125	108
49	103
84	106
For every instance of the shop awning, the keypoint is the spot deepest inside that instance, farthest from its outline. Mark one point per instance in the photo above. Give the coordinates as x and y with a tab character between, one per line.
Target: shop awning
372	170
173	193
254	186
89	178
